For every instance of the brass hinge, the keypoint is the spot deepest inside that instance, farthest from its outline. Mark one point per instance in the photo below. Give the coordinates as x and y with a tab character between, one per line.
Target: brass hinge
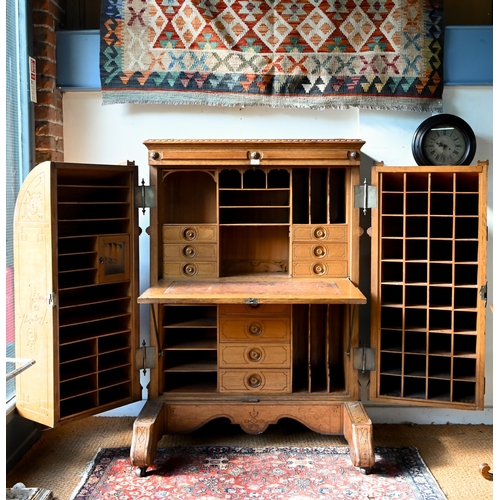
483	292
365	196
144	196
145	357
364	359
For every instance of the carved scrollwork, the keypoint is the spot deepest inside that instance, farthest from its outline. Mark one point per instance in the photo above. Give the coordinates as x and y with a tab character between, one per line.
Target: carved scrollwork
33	200
254	423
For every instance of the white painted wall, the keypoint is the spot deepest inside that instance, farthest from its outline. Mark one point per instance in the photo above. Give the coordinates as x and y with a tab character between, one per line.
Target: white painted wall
94	133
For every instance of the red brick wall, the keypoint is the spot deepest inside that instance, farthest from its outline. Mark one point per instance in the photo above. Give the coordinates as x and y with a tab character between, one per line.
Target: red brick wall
48	16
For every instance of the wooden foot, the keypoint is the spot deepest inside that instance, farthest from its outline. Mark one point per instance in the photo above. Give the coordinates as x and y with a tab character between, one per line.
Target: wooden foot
485	472
359	434
149	428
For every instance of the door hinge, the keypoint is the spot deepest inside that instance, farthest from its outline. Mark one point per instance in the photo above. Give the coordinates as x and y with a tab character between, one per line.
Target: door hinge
145	357
364	359
483	292
144	196
365	196
52	299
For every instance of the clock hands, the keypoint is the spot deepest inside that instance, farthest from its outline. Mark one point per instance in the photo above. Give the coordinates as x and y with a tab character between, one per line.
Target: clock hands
443	145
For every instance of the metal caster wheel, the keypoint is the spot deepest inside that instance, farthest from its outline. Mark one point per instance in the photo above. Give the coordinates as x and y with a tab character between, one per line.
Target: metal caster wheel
140	471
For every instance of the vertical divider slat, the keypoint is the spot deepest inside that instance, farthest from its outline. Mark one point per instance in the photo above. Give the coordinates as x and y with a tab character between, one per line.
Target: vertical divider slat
327	347
309	350
405	283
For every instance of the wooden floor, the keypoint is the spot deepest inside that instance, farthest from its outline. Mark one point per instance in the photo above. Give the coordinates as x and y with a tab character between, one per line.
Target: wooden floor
453	453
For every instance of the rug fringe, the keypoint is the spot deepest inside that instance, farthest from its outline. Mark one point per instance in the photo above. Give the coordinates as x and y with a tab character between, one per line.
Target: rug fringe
421	105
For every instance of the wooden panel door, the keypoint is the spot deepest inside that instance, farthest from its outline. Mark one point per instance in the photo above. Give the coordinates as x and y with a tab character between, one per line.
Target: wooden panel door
428	270
34	285
76	286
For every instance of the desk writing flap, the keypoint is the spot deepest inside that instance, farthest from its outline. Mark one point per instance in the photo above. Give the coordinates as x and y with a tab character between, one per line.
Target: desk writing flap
224	291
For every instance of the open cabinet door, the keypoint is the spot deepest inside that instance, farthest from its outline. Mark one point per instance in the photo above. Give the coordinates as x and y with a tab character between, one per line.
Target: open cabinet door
76	284
428	283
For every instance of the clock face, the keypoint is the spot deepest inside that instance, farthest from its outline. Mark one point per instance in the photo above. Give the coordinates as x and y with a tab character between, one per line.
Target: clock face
444	145
444	140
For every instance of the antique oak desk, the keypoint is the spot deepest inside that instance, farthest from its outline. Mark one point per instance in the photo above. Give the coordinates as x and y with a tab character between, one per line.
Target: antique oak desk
254	298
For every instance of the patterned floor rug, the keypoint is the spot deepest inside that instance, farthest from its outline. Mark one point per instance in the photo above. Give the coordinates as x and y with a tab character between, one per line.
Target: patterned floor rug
231	473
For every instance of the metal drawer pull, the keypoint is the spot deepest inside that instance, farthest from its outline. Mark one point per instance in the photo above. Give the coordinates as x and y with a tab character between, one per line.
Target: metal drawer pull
189	269
189	234
319	269
254	354
319	251
189	251
320	233
254	329
254	380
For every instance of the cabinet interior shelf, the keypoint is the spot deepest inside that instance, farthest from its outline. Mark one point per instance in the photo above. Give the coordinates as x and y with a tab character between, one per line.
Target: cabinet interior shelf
192	367
209	345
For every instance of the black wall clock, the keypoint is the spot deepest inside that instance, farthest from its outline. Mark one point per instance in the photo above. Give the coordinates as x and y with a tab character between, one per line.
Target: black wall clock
444	140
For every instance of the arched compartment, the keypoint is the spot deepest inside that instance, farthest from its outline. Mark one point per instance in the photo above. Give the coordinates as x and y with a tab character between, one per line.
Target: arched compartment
190	197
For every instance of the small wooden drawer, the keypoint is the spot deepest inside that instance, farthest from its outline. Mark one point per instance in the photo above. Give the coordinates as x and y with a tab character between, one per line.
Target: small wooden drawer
190	252
267	381
259	355
259	309
190	269
320	268
183	233
320	232
305	251
255	329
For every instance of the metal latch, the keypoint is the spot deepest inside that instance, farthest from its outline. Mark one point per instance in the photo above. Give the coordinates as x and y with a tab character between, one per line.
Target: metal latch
144	196
483	292
52	299
255	157
365	196
145	357
364	359
251	302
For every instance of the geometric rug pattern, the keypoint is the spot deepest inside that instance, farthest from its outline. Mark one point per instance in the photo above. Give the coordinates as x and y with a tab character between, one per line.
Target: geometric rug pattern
379	54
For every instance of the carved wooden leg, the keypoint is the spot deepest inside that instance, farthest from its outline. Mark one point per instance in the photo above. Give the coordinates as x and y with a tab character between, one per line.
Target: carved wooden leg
149	428
359	434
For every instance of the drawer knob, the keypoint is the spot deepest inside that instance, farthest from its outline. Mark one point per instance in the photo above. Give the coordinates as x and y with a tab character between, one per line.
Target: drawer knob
254	380
254	354
319	251
319	269
189	269
189	234
254	329
189	251
320	233
154	155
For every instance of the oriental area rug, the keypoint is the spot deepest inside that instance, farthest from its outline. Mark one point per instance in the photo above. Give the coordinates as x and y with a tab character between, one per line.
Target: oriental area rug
232	473
375	54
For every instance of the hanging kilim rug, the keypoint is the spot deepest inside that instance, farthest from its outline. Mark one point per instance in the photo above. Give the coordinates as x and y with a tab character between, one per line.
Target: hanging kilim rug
377	54
210	473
